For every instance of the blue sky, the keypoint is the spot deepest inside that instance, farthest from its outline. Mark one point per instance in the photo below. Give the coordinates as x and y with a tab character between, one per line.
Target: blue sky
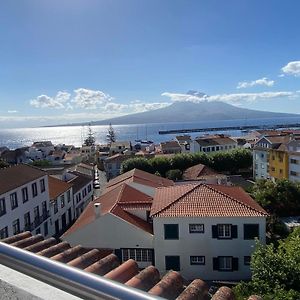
80	60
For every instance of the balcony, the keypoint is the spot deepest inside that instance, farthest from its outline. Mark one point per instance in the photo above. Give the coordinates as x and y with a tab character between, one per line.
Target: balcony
37	221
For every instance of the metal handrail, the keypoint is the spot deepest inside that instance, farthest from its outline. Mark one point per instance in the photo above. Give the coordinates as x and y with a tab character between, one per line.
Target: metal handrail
70	279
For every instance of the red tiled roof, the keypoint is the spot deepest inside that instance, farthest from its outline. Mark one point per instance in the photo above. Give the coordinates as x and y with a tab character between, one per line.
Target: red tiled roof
198	171
170	286
142	177
57	187
114	201
16	176
202	200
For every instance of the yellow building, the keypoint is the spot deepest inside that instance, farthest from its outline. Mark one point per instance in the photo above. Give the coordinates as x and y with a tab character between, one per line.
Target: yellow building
279	163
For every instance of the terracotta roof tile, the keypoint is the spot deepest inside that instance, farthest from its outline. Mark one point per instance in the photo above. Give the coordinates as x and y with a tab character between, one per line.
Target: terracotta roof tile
57	187
142	177
79	181
203	200
114	201
172	285
16	176
197	171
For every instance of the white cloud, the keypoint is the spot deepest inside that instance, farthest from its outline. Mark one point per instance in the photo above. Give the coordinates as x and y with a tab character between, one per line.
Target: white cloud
262	81
229	98
57	102
292	68
89	99
12	111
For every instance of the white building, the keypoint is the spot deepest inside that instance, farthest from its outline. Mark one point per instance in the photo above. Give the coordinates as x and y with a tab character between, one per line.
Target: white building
213	143
261	154
119	147
61	205
44	146
205	231
82	186
24	201
293	148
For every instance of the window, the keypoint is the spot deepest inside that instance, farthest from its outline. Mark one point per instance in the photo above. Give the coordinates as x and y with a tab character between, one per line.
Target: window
62	201
27	221
89	188
196	228
34	189
225	263
2	207
171	232
137	254
197	260
44	208
13	200
294	161
25	194
78	197
38	231
224	231
46	228
247	260
293	173
4	233
36	213
16	226
172	263
55	206
251	231
273	169
69	196
42	185
84	193
280	171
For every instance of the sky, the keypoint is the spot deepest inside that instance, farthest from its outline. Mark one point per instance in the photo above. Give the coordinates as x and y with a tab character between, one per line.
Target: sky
64	61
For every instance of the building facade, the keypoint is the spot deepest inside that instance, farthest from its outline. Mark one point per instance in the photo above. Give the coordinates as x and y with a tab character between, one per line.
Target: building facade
24	201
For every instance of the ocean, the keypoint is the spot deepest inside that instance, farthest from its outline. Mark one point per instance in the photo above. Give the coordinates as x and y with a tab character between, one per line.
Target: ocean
74	135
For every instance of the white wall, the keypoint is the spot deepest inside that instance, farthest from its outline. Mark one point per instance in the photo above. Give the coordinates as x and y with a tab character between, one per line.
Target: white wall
202	244
109	231
18	213
294	167
61	211
260	164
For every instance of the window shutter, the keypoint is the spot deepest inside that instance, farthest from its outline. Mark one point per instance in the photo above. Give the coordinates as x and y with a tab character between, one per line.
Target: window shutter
214	229
118	253
234	233
215	263
235	264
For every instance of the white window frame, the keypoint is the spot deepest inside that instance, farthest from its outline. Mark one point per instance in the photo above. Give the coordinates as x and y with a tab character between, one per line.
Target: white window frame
197	260
224	230
196	228
225	263
139	255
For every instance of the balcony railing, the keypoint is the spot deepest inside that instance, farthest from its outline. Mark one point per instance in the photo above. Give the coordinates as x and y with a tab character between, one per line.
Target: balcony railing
37	221
66	278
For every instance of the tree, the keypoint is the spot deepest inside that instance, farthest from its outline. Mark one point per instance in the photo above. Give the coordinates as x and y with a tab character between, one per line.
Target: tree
138	163
275	271
111	135
3	164
175	174
280	197
90	139
160	165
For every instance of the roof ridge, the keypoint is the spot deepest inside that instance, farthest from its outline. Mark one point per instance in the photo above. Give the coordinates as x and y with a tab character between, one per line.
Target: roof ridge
118	197
176	200
232	198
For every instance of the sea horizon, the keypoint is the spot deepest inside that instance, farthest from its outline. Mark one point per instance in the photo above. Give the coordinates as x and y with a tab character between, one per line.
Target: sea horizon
74	135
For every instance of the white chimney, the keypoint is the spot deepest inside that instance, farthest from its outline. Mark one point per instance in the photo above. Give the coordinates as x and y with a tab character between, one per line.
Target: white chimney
97	208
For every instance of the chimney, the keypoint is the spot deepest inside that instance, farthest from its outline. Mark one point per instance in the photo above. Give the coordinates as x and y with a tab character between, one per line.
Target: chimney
97	208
